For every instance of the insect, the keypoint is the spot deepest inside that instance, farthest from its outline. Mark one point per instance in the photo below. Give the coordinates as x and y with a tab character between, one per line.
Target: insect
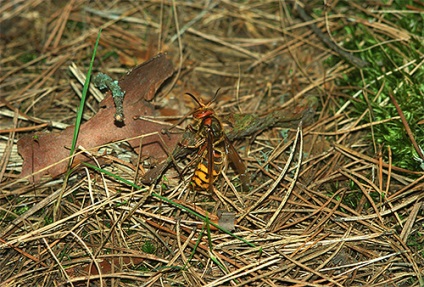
212	146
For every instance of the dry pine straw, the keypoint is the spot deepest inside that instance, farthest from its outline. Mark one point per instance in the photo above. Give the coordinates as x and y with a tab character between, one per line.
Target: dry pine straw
320	210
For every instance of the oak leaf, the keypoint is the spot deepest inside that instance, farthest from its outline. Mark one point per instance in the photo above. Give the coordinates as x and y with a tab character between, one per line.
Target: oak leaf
48	150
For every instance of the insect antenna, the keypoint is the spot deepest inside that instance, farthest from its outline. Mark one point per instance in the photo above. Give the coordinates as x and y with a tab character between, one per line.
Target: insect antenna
215	96
199	102
196	100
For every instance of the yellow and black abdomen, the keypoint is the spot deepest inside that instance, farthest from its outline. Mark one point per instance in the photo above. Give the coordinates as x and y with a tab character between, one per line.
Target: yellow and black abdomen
201	177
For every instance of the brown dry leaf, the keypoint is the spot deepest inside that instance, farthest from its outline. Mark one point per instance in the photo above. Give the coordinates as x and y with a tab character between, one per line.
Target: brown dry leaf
44	150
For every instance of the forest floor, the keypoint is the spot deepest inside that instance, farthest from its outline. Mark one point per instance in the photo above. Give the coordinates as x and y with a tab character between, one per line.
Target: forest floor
311	115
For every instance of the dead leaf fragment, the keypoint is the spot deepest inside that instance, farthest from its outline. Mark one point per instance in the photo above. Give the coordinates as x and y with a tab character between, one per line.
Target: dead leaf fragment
47	151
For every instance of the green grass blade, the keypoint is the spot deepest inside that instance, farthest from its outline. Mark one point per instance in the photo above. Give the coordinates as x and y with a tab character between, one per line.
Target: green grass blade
164	199
77	126
82	103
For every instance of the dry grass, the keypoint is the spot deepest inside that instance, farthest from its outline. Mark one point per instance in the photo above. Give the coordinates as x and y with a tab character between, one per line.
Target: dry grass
324	209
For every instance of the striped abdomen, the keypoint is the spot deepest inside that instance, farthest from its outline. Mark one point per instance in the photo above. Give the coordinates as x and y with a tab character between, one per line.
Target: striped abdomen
201	176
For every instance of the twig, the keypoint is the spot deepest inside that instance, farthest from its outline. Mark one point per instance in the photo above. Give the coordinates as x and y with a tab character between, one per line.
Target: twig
326	40
406	125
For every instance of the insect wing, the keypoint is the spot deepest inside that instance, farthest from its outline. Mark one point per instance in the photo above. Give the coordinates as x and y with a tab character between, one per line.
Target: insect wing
211	159
237	162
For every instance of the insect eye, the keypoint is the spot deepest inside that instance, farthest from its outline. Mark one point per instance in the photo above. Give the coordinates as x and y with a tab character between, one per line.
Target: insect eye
216	128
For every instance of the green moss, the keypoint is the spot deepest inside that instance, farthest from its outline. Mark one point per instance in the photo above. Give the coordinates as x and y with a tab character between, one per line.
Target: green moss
27	57
149	247
384	76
